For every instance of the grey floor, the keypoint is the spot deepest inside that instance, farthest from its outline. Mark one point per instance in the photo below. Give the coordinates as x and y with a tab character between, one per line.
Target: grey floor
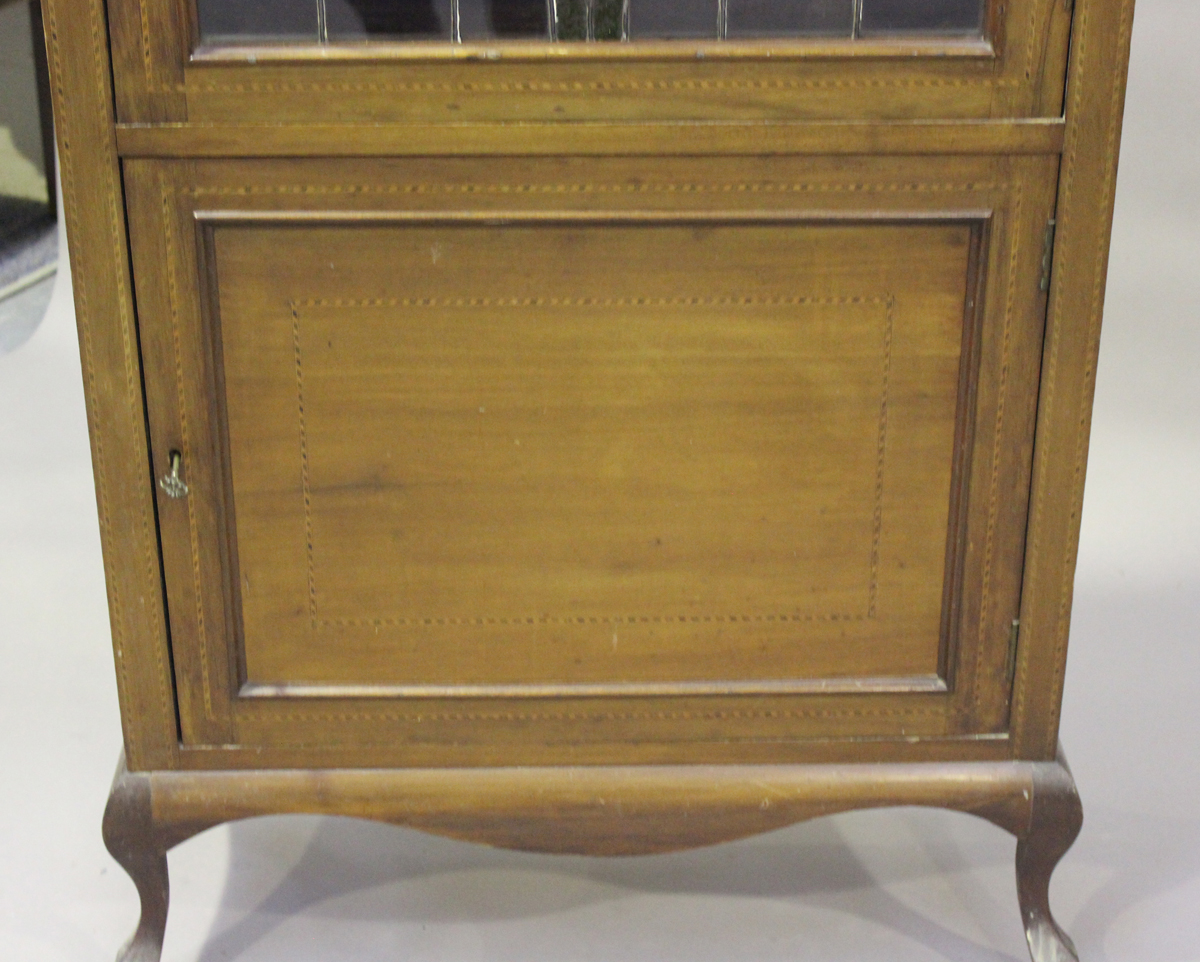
907	885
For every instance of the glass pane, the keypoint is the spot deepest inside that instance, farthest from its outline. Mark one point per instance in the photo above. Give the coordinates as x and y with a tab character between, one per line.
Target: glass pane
926	16
259	21
249	21
572	19
674	18
388	19
479	19
609	19
591	19
790	18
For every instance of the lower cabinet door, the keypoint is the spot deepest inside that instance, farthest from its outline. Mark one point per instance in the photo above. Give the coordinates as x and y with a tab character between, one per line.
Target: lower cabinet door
519	462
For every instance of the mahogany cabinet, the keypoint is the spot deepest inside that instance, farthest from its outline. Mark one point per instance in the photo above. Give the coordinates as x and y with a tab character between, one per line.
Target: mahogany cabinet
596	426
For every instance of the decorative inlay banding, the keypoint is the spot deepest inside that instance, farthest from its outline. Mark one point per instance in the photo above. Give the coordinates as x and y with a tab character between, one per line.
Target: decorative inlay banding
881	449
715	714
317	622
147	56
757	187
591	87
307	491
681	301
578	620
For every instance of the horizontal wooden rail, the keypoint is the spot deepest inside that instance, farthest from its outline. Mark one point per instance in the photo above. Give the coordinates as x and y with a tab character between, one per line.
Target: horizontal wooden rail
822	48
591	139
594	810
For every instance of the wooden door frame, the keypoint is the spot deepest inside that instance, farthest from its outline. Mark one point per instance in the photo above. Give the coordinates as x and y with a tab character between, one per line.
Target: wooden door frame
1012	72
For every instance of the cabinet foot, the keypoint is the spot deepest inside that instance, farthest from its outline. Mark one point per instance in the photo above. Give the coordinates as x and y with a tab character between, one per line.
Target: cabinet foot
1055	818
132	839
596	811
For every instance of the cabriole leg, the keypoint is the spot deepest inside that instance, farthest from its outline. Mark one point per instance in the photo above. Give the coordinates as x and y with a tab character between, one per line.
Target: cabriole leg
131	838
1037	802
1055	819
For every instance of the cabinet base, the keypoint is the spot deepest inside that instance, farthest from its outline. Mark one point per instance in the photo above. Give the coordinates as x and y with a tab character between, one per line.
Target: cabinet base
597	811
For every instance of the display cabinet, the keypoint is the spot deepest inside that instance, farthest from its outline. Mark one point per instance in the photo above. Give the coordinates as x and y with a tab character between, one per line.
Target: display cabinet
597	426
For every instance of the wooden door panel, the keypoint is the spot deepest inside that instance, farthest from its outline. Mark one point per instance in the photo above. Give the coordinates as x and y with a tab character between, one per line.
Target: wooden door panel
696	472
606	454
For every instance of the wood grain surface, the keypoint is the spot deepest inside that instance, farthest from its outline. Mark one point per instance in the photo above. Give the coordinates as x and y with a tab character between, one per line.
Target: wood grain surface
729	410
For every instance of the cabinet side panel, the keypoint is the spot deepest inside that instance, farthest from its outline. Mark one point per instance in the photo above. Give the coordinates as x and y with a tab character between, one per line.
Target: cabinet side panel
1095	99
92	200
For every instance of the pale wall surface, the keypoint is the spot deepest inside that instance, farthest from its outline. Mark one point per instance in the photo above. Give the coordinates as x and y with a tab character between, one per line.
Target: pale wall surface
21	161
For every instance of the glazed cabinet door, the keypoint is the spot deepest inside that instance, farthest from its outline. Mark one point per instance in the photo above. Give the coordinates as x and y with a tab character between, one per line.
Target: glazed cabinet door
330	63
598	460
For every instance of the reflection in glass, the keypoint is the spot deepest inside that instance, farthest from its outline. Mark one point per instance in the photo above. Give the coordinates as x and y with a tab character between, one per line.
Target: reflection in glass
674	19
590	19
610	19
925	16
515	19
253	21
325	21
789	18
388	20
518	18
571	19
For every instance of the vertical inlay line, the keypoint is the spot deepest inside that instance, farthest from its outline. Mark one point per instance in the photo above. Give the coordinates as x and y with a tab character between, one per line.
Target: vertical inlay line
881	452
322	23
308	535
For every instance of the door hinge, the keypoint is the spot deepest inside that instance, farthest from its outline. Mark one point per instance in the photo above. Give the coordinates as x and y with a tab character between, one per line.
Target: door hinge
1047	254
1014	634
